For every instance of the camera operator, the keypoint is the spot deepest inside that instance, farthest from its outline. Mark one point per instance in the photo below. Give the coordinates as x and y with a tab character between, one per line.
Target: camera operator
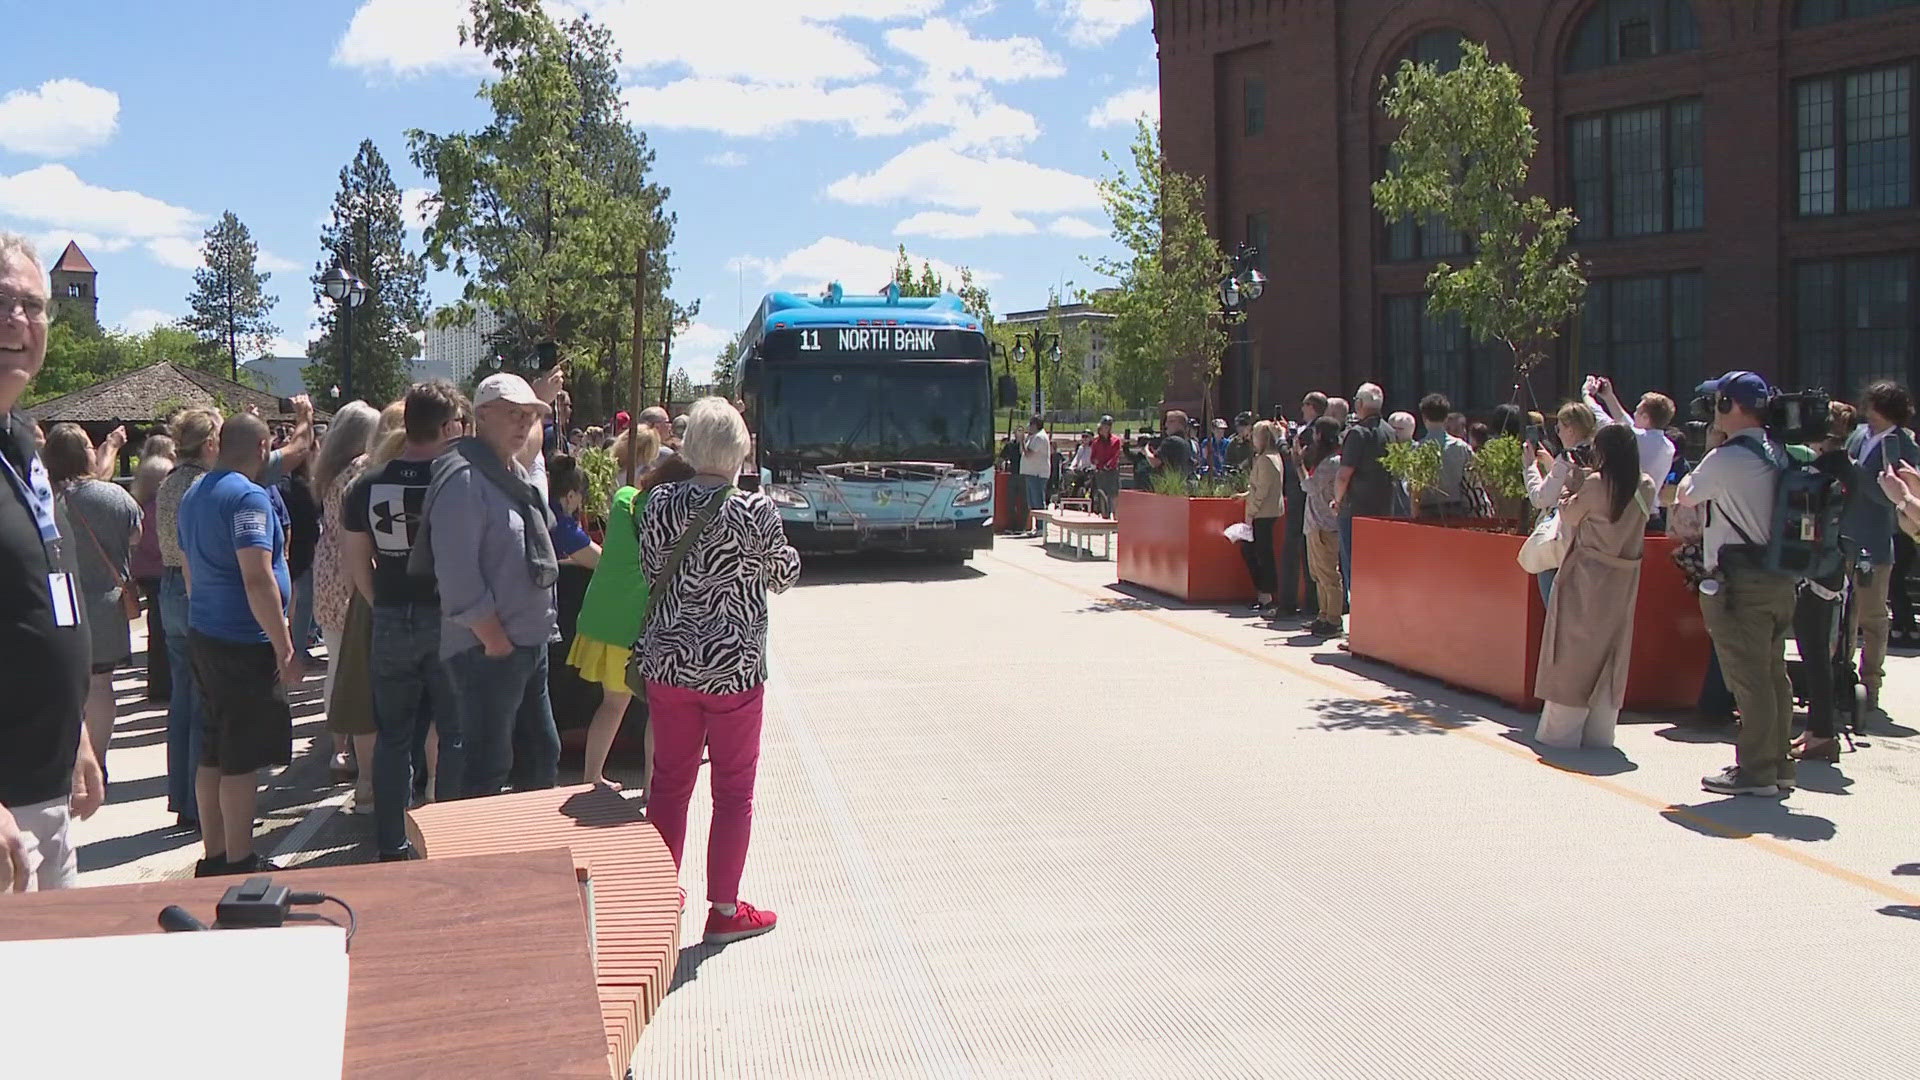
1748	609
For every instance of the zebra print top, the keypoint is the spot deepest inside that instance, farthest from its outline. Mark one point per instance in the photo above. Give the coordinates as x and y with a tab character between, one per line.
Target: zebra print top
708	631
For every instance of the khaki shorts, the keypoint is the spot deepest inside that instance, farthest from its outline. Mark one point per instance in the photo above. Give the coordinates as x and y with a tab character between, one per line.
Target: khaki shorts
52	862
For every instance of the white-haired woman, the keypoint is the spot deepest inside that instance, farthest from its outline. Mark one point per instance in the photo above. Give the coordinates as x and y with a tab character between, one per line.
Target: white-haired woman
711	553
345	620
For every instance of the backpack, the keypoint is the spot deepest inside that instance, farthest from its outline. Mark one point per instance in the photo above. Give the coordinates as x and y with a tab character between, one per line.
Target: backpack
1808	503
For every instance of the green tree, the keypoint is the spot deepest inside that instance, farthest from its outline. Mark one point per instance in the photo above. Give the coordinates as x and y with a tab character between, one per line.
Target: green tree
80	354
367	235
726	370
679	387
1463	156
925	283
229	301
549	211
1166	305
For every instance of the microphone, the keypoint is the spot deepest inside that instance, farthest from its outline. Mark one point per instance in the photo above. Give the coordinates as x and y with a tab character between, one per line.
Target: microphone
174	918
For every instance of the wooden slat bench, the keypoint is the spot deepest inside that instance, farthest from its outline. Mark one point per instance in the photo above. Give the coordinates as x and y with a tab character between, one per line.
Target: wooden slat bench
636	899
1077	530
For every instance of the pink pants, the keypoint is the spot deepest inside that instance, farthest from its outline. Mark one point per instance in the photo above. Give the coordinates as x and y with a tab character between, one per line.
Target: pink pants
728	725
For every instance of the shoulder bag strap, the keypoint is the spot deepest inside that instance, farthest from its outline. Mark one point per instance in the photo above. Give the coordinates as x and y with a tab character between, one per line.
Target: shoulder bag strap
118	581
671	568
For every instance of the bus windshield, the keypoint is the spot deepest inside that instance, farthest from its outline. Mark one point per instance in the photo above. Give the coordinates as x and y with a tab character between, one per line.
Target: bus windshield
940	411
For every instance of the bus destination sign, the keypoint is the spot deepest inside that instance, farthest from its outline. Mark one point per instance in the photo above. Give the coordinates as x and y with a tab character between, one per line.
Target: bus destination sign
873	343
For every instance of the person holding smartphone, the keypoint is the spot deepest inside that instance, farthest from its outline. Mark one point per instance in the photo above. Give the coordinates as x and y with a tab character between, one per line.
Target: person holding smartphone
1549	475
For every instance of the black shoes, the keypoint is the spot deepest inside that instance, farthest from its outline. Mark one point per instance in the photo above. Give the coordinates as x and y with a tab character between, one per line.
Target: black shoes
406	854
252	864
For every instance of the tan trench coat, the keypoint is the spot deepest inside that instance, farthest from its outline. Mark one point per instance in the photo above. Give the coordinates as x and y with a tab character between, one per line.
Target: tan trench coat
1589	634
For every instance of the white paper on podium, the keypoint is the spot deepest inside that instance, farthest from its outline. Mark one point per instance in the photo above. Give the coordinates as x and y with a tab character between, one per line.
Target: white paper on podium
1239	532
211	1005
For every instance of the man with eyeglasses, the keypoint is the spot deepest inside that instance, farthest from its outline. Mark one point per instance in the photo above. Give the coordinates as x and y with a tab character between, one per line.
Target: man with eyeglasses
48	772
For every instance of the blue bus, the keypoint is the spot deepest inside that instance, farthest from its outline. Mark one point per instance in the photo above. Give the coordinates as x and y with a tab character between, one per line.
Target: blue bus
872	420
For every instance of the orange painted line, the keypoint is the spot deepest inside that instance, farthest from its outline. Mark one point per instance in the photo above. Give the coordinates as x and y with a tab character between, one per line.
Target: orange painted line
1448	727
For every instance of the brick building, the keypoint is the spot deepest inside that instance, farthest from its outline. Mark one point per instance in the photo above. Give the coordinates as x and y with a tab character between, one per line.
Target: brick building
1743	170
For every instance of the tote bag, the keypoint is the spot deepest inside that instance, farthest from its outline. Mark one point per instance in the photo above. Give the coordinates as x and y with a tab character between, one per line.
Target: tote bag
1545	546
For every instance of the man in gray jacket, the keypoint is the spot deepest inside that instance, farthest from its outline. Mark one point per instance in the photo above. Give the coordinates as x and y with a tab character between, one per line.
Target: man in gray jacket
1869	523
487	546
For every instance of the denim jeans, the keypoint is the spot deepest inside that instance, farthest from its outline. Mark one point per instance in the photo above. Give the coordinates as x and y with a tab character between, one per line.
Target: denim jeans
186	724
1036	492
1346	561
300	621
1545	580
495	698
410	691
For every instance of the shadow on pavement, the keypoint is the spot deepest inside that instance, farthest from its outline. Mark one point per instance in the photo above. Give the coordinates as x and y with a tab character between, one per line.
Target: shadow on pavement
1610	761
1353	714
118	850
1903	911
687	968
1738	817
881	566
1911	869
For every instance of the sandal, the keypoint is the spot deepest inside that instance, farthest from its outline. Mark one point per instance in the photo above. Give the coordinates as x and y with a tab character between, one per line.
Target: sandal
1815	748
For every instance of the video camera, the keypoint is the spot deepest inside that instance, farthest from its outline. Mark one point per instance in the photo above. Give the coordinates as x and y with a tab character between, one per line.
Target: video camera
1791	418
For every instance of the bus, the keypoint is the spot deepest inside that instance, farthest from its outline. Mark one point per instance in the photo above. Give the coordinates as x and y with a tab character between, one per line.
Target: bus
872	420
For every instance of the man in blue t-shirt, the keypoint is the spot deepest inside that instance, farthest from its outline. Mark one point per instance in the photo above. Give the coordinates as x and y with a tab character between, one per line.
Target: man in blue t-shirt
243	656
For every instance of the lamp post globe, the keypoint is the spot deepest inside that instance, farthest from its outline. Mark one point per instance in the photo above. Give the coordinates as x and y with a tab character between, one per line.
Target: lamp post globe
1230	294
356	292
1255	284
335	283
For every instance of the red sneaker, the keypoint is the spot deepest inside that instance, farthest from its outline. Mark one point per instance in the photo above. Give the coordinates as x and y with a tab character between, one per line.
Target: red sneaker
747	921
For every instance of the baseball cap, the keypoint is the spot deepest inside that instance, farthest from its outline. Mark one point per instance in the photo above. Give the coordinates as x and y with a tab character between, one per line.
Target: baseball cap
1746	389
621	419
1220	422
508	387
1243	418
1106	419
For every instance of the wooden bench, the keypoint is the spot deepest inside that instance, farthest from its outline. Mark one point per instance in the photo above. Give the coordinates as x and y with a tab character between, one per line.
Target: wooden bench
1077	530
636	899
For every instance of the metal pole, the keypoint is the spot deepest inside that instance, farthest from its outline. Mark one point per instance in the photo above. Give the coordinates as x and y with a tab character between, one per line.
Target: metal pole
633	376
666	359
346	337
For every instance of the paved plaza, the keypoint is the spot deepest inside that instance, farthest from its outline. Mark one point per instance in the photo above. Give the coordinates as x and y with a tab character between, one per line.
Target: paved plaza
1019	821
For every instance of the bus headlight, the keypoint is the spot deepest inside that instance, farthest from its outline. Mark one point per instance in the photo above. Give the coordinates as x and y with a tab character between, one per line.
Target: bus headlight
787	497
974	495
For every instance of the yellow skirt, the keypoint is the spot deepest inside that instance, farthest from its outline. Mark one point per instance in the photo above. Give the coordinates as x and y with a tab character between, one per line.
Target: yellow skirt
599	662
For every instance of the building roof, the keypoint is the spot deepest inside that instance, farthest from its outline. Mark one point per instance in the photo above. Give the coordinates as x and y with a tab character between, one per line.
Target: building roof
74	260
1068	313
146	395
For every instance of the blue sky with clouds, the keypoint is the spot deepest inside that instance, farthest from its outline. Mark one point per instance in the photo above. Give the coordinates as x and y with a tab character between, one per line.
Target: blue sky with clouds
802	140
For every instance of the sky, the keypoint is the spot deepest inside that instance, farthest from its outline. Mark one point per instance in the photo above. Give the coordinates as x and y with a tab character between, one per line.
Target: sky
802	140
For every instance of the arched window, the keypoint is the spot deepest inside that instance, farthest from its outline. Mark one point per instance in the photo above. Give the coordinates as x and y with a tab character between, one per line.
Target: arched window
1438	47
1623	31
1822	12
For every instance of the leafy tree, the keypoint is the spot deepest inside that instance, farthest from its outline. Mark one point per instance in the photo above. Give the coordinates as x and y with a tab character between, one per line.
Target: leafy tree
549	210
926	283
1166	306
726	371
230	305
80	353
368	236
1463	157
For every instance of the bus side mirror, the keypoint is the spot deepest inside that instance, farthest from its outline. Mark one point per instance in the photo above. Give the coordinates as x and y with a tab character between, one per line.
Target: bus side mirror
1009	391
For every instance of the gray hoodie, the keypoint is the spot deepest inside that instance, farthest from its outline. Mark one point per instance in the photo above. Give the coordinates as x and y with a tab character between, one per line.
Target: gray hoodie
484	540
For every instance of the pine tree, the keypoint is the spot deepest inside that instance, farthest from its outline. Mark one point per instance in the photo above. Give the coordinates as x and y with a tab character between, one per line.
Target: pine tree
368	237
229	302
726	367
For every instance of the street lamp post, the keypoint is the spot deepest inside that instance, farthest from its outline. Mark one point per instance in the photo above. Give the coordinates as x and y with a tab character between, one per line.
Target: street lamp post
1044	345
1243	284
347	291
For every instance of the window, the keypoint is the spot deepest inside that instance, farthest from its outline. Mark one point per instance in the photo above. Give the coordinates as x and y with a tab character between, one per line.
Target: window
1853	141
1408	239
1623	31
1255	90
1645	332
1821	12
1441	48
1853	322
1257	239
1637	172
76	290
1425	355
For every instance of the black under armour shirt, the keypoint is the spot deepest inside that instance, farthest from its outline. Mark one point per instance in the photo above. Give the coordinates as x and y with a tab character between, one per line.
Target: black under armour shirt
387	504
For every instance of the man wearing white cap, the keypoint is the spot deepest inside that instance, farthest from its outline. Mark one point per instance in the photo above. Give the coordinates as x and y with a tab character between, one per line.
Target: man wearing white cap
484	539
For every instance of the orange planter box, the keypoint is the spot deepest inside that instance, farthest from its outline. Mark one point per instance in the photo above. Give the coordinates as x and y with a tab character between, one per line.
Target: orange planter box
1003	500
1454	605
1176	546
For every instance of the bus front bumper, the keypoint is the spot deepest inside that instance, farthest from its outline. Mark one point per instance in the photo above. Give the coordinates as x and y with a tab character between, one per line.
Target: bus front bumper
970	535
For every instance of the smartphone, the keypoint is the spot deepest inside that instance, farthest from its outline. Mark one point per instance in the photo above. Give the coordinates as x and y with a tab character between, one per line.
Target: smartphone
548	353
1582	456
1534	435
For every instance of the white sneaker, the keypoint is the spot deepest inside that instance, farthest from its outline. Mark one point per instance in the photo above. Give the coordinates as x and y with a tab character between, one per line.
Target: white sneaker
1728	781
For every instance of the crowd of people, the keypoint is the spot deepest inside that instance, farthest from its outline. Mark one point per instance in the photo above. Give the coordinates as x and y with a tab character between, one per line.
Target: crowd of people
422	541
1598	477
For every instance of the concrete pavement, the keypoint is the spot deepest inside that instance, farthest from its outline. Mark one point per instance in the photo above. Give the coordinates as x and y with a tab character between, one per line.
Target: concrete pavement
1020	822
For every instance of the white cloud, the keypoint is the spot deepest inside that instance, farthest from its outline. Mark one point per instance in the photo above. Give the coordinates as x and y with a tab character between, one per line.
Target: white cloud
728	160
936	174
694	350
949	49
1092	23
141	320
267	261
62	117
407	37
859	267
1075	228
51	244
177	252
759	109
286	346
973	118
942	225
1122	109
53	195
